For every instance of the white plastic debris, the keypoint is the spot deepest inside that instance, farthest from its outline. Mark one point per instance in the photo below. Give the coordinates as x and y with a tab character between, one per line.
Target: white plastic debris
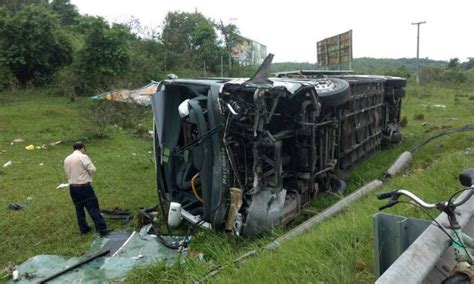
55	143
62	185
18	140
138	256
7	164
41	164
15	275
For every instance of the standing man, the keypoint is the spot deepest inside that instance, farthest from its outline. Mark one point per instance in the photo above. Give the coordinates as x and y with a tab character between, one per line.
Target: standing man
79	169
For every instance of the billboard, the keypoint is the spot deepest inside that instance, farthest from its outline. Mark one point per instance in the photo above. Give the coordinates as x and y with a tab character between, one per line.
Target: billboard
249	52
335	50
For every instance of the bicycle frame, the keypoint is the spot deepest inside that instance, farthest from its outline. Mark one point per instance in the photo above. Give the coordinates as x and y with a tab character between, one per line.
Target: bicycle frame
462	243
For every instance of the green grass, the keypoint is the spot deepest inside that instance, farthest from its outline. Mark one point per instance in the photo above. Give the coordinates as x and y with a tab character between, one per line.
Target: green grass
124	179
339	250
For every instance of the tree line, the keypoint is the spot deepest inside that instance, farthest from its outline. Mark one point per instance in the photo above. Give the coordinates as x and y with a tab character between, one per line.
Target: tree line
49	43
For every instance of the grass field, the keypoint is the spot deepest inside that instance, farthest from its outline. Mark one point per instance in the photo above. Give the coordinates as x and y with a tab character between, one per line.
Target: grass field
338	251
124	179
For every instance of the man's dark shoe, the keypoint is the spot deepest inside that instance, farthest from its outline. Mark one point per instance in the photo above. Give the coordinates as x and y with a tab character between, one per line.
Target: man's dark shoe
105	232
85	231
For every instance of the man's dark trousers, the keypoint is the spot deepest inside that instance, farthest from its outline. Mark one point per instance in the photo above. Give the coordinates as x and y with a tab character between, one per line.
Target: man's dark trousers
83	196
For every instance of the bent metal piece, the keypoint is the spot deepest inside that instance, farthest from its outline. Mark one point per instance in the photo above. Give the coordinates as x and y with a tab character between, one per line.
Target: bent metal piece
235	204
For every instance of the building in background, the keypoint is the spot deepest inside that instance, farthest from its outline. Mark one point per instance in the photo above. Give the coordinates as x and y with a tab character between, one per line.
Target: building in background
249	52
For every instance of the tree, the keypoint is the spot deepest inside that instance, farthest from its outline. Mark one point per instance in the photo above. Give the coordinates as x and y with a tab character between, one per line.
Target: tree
104	55
231	36
191	39
453	63
67	12
146	60
15	6
33	45
469	64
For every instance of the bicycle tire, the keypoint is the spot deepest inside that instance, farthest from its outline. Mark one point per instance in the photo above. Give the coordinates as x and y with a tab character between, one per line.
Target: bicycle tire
457	279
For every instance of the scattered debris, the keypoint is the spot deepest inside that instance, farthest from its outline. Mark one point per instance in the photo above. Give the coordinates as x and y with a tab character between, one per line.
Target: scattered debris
468	151
30	147
15	275
7	164
127	250
430	126
55	143
434	106
16	206
62	185
117	213
41	164
18	140
141	96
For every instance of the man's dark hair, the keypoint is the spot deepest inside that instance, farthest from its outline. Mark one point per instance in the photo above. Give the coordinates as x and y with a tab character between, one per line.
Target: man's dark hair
78	146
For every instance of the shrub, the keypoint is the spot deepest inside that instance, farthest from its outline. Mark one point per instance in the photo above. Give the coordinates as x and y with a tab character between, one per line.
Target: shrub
98	116
95	118
418	116
66	83
7	79
404	121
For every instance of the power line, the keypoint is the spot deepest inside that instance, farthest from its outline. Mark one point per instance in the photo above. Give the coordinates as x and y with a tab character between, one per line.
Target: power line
418	50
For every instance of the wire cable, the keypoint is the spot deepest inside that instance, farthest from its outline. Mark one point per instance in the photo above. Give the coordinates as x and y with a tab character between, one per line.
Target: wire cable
465	128
193	187
430	216
441	227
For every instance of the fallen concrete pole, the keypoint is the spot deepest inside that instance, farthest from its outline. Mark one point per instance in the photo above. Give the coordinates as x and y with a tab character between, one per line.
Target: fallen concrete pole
329	212
414	265
400	164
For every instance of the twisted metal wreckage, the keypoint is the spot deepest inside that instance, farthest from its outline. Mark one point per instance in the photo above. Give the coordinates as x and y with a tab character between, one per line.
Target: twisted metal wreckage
261	149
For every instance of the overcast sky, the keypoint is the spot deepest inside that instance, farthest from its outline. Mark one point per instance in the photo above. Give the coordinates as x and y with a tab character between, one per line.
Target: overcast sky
291	28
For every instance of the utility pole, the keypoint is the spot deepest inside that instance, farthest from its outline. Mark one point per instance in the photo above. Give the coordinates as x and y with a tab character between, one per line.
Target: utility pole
418	51
222	66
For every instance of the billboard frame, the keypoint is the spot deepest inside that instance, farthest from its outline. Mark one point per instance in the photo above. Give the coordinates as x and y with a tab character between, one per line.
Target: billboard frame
335	50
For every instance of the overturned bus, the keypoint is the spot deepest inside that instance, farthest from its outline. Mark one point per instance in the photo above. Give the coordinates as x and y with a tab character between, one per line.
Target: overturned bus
246	155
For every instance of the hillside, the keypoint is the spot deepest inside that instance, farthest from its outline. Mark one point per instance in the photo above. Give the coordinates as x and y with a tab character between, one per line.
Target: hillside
365	64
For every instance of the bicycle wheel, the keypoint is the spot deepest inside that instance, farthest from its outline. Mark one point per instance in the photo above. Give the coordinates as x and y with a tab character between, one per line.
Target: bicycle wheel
457	279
